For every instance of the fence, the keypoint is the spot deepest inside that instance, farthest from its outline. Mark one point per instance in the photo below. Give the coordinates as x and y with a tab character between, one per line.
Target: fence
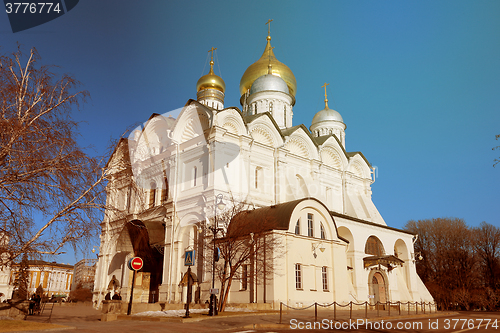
366	305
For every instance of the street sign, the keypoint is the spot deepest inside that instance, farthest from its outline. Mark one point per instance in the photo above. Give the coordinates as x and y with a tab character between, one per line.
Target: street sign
217	254
214	291
135	263
371	296
189	258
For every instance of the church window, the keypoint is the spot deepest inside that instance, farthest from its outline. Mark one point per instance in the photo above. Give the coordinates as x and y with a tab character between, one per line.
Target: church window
244	277
374	246
310	225
297	227
284	115
164	191
152	194
324	278
195	171
323	232
298	276
258	177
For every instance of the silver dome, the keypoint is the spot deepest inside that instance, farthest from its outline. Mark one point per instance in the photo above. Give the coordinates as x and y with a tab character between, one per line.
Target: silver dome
269	82
327	115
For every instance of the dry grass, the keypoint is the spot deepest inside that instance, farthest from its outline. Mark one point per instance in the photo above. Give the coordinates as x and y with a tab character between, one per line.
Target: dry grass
23	325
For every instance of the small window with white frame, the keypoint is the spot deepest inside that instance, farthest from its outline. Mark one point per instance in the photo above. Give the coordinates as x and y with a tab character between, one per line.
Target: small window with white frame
324	277
298	276
310	225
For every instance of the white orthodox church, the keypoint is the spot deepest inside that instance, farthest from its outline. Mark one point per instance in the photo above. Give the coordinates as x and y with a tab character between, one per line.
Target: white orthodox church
164	180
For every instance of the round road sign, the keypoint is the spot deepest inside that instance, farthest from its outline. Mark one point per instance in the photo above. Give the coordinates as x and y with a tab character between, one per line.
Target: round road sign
135	263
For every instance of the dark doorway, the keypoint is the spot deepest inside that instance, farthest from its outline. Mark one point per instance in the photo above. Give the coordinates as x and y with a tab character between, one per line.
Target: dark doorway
153	259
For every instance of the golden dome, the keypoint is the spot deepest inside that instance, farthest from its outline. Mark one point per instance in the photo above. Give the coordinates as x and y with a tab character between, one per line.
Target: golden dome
261	67
210	81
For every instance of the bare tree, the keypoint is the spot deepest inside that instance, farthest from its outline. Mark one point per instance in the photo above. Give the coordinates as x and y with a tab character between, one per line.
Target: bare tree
244	242
449	268
487	245
51	191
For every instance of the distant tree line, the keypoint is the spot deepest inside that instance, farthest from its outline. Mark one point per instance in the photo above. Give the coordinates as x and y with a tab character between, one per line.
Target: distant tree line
460	264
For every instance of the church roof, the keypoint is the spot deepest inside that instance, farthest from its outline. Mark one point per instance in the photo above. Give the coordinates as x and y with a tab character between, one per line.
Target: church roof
275	217
355	219
249	119
289	131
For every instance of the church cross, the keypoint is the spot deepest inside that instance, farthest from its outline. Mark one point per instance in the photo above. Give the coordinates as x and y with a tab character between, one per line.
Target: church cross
269	27
326	99
212	50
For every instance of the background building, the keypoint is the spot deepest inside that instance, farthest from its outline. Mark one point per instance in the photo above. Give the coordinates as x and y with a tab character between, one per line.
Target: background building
54	278
84	273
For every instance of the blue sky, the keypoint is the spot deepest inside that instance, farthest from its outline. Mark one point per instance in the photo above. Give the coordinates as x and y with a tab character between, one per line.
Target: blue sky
416	82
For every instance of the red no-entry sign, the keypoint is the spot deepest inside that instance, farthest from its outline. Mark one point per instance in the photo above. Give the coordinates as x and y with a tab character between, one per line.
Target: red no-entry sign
135	263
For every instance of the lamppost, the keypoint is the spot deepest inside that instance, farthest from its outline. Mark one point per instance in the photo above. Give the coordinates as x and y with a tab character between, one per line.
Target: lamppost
218	204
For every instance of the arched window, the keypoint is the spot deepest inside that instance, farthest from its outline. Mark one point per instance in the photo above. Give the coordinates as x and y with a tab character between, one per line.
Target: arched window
297	227
323	232
374	246
152	194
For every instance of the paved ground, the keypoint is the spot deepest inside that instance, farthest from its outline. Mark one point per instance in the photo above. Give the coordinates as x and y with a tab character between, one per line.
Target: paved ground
83	318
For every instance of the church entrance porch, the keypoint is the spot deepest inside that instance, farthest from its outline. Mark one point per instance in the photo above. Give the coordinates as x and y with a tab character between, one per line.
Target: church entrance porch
377	288
150	276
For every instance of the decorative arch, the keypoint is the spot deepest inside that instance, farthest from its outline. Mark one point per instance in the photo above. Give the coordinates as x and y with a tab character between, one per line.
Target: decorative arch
345	233
401	250
356	169
374	246
331	157
297	146
231	120
262	135
192	122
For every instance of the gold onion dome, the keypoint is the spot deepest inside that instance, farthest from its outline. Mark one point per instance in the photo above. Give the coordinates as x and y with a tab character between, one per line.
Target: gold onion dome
211	81
261	67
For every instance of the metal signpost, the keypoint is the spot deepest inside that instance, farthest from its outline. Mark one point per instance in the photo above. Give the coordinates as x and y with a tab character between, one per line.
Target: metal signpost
134	264
188	261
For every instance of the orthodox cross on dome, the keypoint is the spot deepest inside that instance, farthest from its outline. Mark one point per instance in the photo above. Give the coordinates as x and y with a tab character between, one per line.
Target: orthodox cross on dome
326	99
212	58
268	23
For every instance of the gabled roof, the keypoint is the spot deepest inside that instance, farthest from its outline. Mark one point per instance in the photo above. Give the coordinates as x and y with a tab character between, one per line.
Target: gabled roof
123	142
291	130
352	154
249	119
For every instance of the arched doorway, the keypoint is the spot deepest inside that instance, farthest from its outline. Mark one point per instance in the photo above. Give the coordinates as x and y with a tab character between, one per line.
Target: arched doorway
153	259
377	288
